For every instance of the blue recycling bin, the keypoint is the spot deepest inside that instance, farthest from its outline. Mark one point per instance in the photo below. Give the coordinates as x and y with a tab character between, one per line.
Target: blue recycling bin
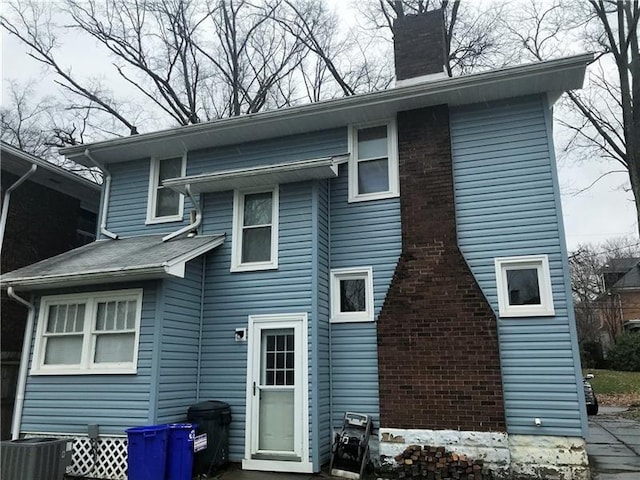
180	451
147	452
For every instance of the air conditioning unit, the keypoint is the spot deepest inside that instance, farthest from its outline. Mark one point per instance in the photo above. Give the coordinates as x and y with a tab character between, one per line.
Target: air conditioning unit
35	458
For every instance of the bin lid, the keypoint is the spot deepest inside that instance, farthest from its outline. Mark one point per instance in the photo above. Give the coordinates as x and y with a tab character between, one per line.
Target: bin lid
209	406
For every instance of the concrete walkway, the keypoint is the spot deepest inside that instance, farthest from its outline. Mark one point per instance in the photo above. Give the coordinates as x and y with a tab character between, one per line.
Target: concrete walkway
613	446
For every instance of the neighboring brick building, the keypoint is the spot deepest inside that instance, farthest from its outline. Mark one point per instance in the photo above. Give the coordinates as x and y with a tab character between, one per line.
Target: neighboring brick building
51	212
620	305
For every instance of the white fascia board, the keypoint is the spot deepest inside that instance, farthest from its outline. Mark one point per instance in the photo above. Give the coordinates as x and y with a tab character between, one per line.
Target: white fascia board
87	278
262	175
537	78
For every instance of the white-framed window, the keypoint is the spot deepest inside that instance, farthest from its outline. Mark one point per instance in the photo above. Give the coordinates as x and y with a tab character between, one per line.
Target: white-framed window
373	164
255	230
524	286
352	294
164	204
88	333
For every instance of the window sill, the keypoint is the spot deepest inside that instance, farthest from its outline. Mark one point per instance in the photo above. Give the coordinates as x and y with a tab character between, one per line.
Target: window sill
251	267
512	312
358	319
103	371
373	196
154	221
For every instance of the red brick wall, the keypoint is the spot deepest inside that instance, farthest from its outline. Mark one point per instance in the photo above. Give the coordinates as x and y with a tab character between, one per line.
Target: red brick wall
438	358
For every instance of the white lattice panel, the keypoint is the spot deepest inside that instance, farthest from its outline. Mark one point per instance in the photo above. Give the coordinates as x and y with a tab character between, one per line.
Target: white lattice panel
108	462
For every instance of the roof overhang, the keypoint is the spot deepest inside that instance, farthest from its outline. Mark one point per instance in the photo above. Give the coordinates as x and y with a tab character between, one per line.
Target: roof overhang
111	261
51	176
258	176
538	78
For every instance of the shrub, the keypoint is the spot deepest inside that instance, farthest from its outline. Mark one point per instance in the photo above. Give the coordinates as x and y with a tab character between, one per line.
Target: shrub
625	354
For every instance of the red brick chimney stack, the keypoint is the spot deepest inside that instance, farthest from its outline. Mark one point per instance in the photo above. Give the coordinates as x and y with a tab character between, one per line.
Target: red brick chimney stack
420	46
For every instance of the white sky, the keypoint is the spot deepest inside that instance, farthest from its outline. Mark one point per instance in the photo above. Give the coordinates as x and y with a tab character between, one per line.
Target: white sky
603	211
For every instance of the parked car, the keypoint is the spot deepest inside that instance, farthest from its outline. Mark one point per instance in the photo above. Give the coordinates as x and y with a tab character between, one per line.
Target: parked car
590	396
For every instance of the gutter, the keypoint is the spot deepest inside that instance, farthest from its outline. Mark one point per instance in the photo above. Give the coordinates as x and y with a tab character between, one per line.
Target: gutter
24	363
105	196
5	201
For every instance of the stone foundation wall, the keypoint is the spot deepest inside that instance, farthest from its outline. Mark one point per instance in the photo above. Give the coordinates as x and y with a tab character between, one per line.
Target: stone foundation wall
525	457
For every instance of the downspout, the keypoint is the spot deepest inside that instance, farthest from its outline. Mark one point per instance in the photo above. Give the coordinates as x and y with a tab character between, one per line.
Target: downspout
105	196
5	201
201	327
24	363
191	226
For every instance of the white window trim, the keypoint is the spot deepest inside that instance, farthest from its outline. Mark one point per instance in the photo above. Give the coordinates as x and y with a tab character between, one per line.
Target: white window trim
541	264
238	220
338	274
394	180
86	367
152	195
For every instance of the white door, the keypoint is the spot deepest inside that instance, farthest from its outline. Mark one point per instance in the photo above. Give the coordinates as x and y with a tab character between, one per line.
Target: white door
277	386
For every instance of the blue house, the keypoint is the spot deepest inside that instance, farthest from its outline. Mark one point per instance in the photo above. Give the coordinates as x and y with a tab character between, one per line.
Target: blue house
399	254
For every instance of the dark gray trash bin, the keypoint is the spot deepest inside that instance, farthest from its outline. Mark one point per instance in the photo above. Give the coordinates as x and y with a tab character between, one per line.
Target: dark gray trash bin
213	418
35	458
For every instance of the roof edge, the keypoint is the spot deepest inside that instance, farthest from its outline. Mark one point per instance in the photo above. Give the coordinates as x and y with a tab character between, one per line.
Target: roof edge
449	83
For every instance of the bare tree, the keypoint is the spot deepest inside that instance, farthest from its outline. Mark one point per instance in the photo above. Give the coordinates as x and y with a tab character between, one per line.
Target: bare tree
21	119
605	117
596	307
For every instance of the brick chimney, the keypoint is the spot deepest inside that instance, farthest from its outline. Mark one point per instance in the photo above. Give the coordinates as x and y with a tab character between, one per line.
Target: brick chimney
419	47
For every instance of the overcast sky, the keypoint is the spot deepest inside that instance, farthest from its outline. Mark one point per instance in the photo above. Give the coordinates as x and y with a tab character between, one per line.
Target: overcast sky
603	211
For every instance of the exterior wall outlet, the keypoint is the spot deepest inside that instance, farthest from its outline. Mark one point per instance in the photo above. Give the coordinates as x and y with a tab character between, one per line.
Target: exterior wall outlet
93	431
241	335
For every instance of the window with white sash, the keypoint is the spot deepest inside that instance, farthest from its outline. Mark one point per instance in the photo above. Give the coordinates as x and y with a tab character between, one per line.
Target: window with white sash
255	230
88	333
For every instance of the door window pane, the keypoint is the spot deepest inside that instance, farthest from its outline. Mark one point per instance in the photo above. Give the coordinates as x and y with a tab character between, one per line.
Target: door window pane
352	295
373	176
276	426
523	286
278	359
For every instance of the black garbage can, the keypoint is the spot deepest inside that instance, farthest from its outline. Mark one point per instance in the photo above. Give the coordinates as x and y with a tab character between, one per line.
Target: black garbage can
213	418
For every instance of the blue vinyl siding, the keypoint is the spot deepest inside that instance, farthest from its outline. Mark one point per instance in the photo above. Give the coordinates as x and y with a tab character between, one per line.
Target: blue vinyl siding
322	289
312	145
507	205
362	234
127	212
178	370
231	297
68	403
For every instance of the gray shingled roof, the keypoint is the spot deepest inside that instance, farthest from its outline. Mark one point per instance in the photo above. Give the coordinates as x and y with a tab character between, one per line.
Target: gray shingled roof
620	265
108	261
631	279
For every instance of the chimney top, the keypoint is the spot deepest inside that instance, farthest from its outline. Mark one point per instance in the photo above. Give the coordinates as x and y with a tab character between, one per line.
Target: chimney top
420	47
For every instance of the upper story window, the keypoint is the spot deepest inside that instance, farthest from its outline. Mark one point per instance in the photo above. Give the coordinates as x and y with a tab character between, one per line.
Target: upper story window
352	294
524	286
255	230
88	333
164	204
373	165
